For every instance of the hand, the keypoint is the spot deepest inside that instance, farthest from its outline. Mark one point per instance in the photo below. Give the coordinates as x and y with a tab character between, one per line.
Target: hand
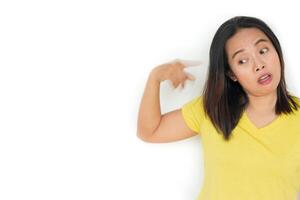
173	71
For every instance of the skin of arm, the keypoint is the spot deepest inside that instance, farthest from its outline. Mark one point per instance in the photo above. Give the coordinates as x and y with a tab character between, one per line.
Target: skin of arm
149	115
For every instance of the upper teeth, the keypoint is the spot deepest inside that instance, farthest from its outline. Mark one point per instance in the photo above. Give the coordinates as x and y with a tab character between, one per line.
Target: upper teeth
263	77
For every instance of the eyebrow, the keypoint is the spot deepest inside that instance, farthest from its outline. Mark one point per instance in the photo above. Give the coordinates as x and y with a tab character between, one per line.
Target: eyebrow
256	43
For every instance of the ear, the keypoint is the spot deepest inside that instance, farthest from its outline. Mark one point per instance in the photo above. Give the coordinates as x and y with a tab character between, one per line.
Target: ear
231	75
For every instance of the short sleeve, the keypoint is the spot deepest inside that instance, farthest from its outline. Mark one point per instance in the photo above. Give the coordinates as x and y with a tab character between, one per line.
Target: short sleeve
193	113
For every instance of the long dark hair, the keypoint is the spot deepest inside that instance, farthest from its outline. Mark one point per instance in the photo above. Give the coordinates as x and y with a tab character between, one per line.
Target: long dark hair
225	100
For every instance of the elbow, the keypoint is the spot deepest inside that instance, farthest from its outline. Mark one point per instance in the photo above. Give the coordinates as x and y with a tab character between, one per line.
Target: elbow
142	136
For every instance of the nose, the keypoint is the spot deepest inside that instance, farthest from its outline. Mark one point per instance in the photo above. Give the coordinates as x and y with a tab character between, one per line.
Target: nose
258	62
260	67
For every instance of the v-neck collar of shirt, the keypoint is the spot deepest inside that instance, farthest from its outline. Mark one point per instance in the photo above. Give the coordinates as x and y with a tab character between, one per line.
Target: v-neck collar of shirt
248	124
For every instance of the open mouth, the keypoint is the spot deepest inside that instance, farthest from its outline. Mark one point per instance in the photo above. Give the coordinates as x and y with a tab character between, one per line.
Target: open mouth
265	79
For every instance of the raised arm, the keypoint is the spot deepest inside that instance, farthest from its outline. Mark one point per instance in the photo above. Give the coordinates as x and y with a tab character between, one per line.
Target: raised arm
152	126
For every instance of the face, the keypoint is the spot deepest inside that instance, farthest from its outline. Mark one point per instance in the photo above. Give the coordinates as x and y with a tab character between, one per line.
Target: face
251	54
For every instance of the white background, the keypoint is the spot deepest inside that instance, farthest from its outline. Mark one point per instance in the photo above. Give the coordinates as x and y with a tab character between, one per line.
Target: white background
72	74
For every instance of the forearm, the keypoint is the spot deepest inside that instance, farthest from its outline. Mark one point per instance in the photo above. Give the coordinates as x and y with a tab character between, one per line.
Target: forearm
149	112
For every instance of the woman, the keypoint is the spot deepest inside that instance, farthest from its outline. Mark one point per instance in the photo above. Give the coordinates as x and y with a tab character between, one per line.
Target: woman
248	121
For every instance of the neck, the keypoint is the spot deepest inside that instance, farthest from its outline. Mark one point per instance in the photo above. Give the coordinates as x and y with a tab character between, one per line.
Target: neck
262	104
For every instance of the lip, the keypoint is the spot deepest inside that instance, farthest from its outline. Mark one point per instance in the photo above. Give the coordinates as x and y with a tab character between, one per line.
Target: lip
264	75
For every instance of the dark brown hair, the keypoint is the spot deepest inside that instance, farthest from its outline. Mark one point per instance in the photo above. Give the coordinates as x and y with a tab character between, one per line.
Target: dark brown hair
225	100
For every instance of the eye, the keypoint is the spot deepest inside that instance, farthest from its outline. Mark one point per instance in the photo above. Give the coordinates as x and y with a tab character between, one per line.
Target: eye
264	50
242	61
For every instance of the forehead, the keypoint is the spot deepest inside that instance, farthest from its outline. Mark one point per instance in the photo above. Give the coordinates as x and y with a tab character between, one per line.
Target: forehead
243	38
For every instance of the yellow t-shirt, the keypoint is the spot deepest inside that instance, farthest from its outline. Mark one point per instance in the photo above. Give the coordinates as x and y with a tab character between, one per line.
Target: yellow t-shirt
256	163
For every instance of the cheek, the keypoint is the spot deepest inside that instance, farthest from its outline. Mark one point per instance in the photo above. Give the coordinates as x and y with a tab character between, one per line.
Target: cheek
244	79
277	71
273	60
242	72
274	64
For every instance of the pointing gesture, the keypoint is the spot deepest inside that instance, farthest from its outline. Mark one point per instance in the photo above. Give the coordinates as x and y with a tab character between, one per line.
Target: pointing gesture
173	71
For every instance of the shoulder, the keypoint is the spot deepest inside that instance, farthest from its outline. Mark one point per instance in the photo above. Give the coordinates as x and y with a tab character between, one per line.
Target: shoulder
195	103
193	113
194	107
